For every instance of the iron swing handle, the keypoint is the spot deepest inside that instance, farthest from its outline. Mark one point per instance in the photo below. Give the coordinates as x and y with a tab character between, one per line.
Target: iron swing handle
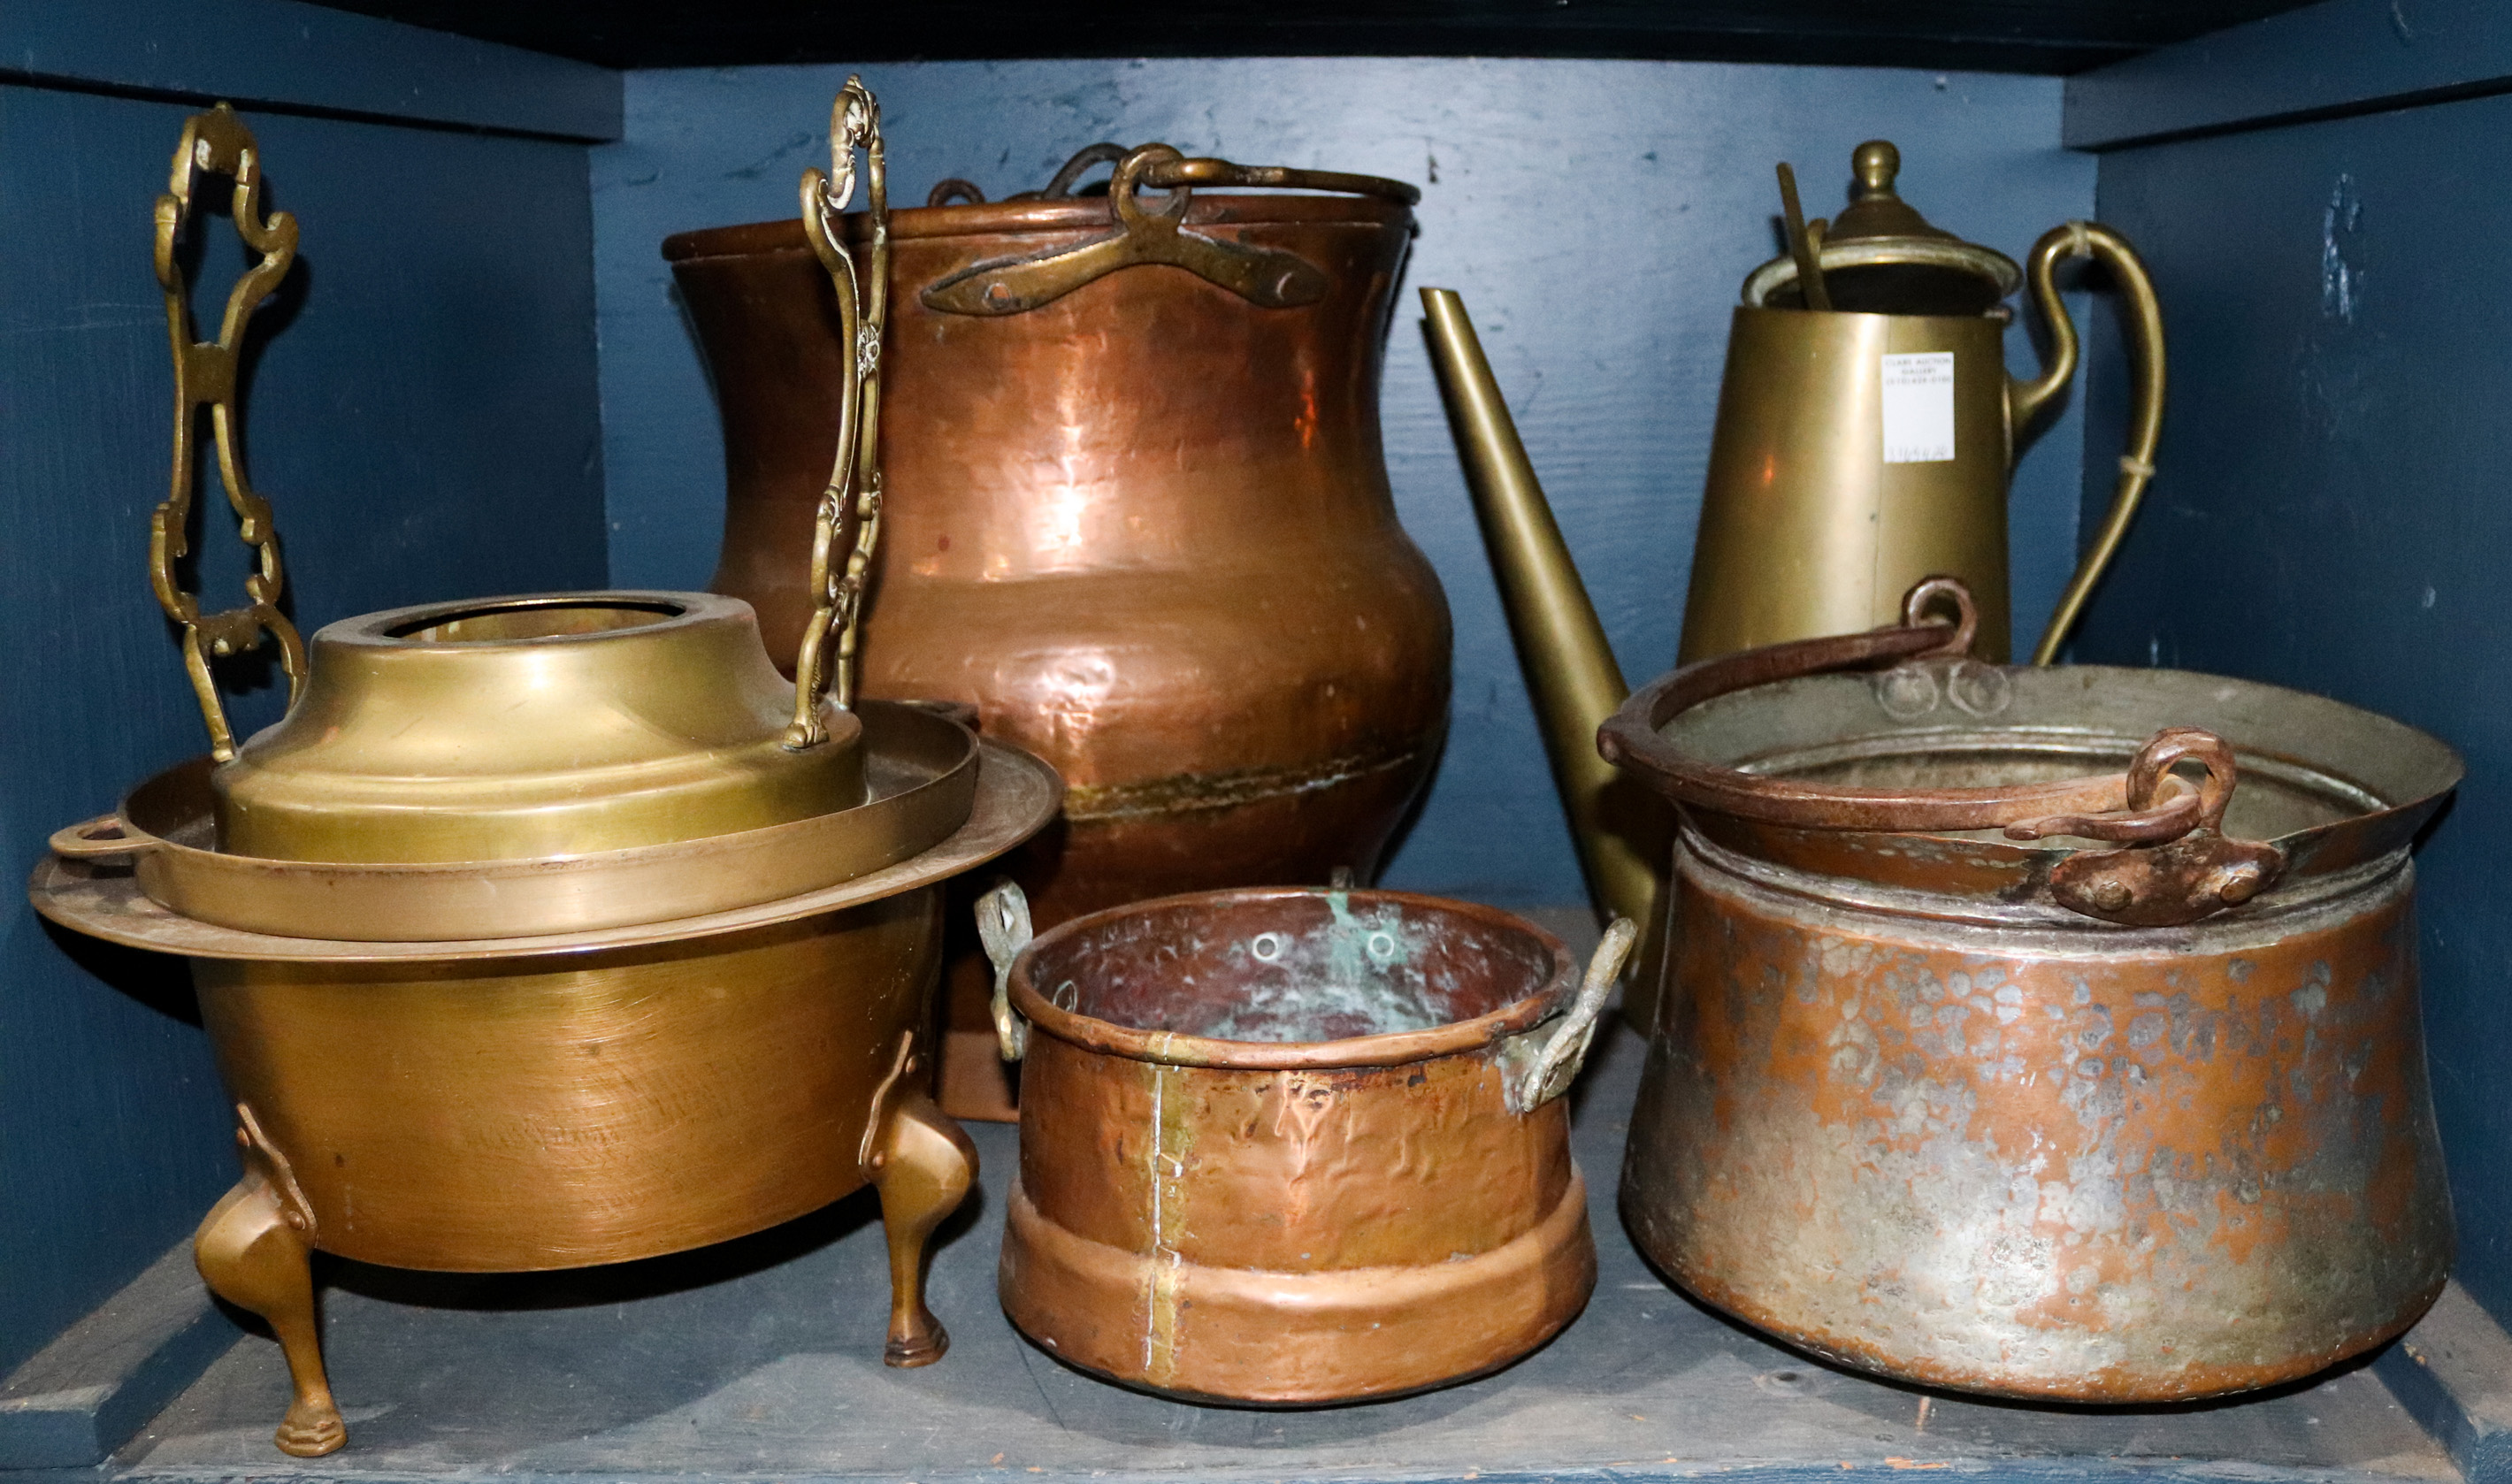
2182	867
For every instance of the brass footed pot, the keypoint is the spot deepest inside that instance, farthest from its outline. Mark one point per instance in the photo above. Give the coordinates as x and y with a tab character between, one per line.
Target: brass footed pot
1289	1147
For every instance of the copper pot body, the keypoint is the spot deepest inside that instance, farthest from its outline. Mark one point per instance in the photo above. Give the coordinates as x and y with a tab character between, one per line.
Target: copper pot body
1145	529
1905	1110
1282	1219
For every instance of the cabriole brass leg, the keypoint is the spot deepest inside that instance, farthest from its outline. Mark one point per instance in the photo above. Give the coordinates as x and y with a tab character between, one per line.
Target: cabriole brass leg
924	1165
252	1257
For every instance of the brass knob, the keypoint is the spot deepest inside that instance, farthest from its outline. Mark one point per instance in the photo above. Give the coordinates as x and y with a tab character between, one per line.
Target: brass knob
1875	164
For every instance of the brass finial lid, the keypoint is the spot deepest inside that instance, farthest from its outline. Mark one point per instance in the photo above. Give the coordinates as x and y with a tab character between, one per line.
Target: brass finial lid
1881	257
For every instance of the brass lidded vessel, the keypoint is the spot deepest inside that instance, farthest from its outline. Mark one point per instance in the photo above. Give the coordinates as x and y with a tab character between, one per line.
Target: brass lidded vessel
558	929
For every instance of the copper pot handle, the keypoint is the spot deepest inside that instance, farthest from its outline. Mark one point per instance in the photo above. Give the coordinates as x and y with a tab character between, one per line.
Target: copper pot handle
1003	926
1540	1065
2181	870
217	143
850	513
1266	276
88	840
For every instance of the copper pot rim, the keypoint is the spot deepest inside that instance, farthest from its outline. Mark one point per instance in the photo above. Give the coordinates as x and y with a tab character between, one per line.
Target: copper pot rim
391	628
1008	218
1396	1048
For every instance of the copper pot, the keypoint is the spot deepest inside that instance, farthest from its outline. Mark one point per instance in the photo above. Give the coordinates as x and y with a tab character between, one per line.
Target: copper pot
1139	516
1291	1146
1987	1063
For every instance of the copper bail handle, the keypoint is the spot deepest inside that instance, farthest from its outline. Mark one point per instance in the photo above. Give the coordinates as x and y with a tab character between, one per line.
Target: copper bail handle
2091	239
850	513
1269	277
217	143
2136	805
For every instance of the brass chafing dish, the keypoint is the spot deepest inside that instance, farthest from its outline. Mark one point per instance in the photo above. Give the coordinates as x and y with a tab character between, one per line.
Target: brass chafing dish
551	930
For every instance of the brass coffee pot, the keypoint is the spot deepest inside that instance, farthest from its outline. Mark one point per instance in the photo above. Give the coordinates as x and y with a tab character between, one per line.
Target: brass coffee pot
1868	427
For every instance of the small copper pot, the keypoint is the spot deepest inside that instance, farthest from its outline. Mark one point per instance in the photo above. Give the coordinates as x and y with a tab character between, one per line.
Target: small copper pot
1287	1147
1986	1063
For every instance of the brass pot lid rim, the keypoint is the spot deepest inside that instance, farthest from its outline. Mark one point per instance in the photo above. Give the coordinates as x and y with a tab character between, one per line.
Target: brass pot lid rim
1006	218
1396	1048
1016	794
1947	253
389	628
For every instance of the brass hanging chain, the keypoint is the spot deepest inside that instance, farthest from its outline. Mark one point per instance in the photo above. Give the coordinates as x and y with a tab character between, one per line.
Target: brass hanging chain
216	142
851	503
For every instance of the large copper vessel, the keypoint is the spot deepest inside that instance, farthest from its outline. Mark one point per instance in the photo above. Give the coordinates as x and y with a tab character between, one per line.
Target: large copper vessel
1294	1146
549	930
1996	1054
1141	515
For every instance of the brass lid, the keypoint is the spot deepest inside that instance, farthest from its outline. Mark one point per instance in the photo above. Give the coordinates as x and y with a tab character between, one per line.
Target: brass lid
550	724
1881	257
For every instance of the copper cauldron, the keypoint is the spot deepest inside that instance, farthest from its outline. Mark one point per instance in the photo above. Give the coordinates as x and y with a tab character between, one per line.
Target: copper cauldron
1140	517
1294	1146
1995	1054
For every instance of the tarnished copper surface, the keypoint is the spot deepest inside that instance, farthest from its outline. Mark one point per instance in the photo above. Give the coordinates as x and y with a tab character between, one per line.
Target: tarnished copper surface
1271	1151
1145	527
2085	1162
2110	1124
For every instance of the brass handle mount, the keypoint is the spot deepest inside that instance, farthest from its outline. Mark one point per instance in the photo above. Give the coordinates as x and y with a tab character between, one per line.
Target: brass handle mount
217	143
1540	1065
1003	926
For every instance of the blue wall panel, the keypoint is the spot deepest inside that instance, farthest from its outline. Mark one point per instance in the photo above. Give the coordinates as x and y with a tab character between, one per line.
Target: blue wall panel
2331	513
423	417
1598	216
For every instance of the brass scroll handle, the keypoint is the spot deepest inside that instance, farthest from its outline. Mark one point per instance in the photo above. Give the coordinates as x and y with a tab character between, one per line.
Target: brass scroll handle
850	514
1266	276
1540	1067
1003	925
2090	239
217	143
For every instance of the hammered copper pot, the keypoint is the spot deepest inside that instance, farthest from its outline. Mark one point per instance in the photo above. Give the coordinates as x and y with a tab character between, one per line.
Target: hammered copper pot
1138	516
1293	1145
1995	1054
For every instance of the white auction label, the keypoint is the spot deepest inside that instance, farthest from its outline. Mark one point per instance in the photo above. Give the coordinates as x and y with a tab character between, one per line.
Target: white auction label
1919	408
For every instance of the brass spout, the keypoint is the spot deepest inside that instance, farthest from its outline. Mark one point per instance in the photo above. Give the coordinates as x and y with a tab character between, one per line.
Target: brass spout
1569	664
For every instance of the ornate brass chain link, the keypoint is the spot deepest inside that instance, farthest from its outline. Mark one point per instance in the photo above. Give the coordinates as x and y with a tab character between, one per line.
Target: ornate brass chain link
216	142
851	503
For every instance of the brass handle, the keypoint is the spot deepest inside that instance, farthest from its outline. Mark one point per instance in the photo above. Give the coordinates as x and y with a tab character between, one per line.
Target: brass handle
1003	926
88	839
850	513
1266	276
1538	1073
2090	239
216	142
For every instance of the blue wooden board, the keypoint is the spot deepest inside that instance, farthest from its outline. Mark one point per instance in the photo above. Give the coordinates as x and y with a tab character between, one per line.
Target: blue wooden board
2340	57
421	413
2331	512
1599	217
307	58
762	1360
